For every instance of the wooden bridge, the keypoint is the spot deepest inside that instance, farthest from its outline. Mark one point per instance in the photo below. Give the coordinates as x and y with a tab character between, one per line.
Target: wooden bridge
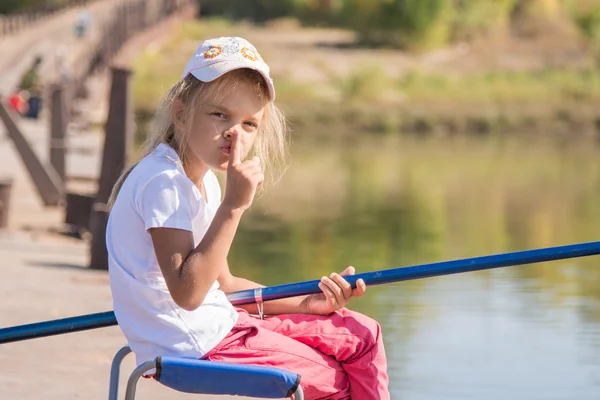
68	165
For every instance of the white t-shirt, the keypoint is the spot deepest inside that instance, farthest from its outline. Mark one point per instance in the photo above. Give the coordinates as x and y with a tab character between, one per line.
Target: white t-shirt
157	193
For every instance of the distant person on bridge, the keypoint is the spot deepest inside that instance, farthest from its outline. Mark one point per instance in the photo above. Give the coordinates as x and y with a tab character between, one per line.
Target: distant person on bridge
32	83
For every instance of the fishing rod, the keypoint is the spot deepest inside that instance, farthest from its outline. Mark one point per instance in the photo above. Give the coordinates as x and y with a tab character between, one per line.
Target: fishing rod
104	319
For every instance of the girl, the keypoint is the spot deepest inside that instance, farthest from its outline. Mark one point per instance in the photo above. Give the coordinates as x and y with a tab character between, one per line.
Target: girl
169	234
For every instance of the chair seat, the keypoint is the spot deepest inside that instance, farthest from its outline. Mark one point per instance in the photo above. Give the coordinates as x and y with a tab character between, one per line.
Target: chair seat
209	377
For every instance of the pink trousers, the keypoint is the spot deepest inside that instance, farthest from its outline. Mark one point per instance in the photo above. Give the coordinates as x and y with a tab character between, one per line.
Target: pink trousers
339	356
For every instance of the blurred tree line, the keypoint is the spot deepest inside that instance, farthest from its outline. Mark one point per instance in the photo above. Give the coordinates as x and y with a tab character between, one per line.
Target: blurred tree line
418	24
20	6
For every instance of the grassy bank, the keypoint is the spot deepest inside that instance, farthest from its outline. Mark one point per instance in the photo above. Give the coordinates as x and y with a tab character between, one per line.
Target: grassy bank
365	98
560	101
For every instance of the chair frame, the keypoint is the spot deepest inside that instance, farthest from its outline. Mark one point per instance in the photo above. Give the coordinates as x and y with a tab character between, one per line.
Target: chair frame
115	372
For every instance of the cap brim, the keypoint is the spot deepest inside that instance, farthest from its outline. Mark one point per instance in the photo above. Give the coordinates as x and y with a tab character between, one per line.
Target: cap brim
216	70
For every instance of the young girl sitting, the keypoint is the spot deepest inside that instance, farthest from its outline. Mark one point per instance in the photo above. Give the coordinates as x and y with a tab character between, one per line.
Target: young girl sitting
169	233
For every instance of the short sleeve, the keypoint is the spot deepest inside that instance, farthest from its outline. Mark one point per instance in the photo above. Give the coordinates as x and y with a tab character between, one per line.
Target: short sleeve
168	201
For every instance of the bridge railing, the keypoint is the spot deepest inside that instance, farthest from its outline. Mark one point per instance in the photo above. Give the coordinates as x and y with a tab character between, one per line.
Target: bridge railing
13	23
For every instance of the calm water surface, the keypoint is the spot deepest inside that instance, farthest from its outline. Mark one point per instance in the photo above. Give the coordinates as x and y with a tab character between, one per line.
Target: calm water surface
530	332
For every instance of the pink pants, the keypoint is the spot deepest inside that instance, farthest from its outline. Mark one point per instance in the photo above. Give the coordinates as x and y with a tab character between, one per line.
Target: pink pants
339	356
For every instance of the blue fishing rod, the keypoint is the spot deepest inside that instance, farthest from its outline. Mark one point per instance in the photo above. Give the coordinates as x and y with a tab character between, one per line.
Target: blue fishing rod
104	319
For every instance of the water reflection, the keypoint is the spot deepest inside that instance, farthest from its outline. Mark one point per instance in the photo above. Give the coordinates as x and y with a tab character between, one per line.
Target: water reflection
529	332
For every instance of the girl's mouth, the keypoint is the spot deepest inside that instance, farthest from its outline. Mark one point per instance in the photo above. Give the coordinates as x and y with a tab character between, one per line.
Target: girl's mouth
226	149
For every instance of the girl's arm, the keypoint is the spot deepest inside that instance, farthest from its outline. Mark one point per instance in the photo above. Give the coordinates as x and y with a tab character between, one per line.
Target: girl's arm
190	272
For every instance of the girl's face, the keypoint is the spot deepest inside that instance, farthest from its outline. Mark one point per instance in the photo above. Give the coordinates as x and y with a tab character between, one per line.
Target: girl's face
215	121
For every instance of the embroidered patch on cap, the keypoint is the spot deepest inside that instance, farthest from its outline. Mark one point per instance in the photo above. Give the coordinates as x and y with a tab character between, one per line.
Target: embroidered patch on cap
249	54
213	52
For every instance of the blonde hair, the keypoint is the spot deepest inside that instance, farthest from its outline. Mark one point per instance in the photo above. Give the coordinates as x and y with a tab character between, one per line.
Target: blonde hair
271	141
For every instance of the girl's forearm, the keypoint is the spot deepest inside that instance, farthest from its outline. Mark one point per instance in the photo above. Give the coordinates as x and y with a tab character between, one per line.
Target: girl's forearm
290	305
204	264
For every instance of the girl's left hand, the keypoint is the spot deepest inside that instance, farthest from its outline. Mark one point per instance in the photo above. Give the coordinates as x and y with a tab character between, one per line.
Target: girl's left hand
336	293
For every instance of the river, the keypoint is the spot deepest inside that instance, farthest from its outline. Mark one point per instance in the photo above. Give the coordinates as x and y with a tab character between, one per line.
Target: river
377	202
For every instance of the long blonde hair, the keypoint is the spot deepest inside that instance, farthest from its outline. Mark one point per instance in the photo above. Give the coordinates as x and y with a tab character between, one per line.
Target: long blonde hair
270	144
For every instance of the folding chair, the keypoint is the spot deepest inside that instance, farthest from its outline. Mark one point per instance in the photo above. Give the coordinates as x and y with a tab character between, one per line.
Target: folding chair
208	377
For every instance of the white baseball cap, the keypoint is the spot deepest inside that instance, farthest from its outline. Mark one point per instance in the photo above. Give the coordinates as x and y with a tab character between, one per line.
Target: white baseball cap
215	57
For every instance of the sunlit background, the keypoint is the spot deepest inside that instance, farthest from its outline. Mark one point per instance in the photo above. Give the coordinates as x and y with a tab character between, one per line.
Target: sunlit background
424	131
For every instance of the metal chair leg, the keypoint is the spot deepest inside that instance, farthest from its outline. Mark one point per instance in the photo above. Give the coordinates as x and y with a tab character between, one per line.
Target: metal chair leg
115	371
135	376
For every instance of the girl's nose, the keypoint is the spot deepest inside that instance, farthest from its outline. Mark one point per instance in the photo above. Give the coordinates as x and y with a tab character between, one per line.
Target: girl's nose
228	134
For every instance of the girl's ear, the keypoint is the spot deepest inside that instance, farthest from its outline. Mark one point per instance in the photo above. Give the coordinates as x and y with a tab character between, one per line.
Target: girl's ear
178	112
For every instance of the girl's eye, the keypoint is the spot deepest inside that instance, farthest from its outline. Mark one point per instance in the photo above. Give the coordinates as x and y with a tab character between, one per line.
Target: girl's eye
252	124
218	115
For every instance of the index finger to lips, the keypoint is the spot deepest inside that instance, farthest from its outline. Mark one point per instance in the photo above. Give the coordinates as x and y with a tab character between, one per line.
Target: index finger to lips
236	150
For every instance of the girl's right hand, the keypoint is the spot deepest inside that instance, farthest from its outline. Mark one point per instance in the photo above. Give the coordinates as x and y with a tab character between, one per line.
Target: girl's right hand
243	178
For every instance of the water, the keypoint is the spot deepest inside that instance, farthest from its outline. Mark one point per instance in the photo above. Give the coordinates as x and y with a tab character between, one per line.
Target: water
530	332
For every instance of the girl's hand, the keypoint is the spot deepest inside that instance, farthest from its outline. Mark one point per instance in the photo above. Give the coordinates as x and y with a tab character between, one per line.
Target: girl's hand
336	293
242	177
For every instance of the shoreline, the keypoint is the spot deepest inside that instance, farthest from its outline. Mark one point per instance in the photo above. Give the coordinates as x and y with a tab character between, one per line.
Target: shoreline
457	90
